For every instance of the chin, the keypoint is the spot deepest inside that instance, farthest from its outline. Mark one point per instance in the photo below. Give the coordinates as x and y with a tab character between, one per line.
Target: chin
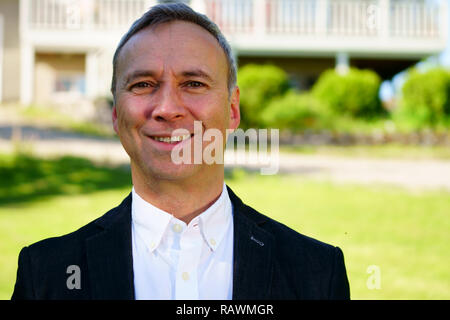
173	172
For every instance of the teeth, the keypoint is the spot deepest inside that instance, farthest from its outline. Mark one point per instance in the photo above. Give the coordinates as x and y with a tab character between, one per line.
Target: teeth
172	139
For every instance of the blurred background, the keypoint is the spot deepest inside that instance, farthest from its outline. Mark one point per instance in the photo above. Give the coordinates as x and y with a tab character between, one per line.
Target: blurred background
359	89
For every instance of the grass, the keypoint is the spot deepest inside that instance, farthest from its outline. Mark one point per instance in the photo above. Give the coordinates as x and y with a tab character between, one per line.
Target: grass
25	178
404	234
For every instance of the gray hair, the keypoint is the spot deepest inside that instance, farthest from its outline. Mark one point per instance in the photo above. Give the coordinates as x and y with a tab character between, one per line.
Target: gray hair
168	12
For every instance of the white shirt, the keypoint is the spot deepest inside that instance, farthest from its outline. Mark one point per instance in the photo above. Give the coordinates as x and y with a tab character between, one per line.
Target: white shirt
172	260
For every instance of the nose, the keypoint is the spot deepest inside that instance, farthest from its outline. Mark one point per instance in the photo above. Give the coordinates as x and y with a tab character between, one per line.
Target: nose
169	106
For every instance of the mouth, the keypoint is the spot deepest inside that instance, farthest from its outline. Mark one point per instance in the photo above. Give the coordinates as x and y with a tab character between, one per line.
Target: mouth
173	139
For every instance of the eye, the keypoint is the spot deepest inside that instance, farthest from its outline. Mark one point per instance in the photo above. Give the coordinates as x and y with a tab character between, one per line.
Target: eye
195	84
142	86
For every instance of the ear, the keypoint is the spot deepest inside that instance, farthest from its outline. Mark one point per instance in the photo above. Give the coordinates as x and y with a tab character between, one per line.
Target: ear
235	113
114	119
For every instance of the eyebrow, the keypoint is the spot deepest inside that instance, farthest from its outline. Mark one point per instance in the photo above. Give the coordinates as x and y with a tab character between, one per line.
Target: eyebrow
197	73
148	73
139	74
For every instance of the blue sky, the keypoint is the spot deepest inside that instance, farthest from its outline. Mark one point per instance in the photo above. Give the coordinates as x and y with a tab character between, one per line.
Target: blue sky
445	56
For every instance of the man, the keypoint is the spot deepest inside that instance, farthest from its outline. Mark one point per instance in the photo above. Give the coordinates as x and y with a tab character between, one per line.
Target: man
181	233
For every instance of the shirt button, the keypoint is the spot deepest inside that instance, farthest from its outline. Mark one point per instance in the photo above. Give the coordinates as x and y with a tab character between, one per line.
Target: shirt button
212	241
177	228
185	276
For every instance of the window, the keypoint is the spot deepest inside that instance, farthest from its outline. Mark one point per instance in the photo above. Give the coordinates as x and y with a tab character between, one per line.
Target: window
70	82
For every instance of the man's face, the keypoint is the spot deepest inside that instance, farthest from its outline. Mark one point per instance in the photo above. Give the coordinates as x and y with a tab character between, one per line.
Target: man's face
168	77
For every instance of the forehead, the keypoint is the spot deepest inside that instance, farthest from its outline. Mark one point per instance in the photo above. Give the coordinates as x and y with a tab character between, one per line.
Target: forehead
174	44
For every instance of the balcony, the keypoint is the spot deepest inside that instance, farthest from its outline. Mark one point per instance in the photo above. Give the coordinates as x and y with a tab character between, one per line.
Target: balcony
364	27
83	14
77	25
368	18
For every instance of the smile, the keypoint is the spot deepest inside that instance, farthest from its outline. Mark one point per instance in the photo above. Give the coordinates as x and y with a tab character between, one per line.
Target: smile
173	139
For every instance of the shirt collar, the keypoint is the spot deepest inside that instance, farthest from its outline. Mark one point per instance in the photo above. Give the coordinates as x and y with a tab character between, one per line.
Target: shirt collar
152	223
215	220
149	221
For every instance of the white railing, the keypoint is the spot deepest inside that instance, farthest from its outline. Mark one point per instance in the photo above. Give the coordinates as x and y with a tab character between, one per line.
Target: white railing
233	16
347	18
415	19
296	17
367	18
354	18
83	14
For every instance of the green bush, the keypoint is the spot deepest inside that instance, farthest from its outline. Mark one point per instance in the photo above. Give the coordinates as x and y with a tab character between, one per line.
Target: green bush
425	100
352	94
259	84
296	112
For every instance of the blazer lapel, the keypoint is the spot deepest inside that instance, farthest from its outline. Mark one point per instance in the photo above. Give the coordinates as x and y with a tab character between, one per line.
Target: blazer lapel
109	255
253	262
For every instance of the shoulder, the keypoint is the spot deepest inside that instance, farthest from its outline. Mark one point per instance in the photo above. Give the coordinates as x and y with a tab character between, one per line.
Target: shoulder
72	245
283	235
290	244
303	267
43	266
49	248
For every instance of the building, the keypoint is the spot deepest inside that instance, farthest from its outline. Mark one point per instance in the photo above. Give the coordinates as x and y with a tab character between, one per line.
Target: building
61	50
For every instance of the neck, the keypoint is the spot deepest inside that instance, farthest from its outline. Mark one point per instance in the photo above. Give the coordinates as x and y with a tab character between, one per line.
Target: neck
184	199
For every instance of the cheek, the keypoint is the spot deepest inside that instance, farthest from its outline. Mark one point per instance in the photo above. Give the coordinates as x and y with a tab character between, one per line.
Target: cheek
130	112
213	111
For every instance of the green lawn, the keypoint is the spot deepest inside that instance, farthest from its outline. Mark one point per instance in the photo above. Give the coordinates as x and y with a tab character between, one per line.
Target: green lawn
405	234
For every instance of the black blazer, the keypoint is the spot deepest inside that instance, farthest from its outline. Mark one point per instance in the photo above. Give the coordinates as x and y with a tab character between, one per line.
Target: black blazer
271	261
